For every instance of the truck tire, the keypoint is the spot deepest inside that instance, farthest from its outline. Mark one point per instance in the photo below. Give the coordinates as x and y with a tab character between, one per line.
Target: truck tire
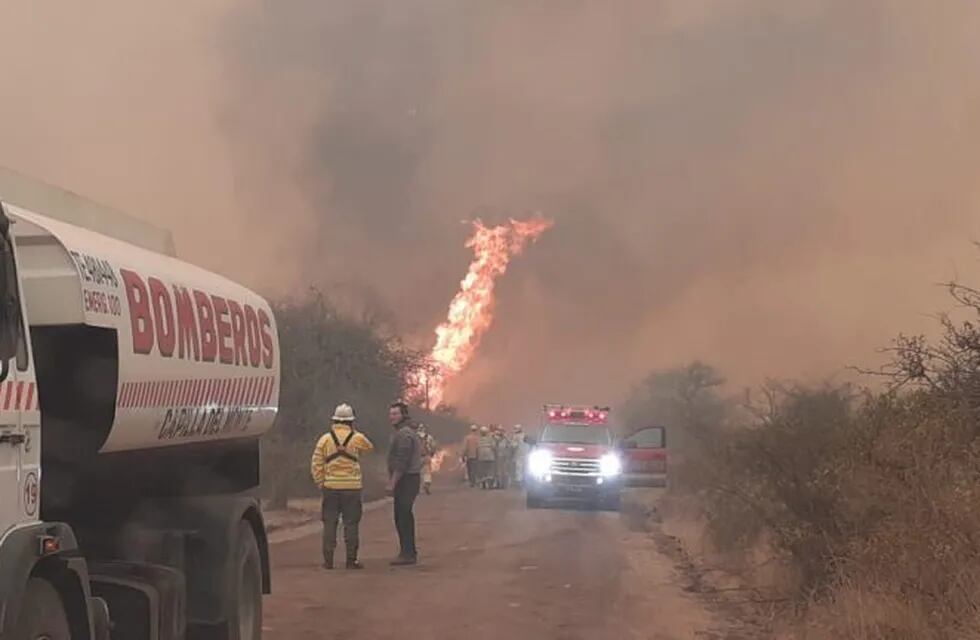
42	614
245	615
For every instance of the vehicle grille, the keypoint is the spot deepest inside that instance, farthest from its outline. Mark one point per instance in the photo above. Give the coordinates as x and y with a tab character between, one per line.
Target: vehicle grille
575	466
568	480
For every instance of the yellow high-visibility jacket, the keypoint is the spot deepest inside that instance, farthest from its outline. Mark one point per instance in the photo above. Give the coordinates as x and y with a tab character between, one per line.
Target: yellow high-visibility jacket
339	468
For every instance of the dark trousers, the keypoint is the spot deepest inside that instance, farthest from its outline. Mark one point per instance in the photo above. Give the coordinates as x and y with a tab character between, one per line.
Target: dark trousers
405	493
341	504
471	471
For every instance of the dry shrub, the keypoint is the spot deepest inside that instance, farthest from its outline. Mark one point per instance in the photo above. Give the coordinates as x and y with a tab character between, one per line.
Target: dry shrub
873	498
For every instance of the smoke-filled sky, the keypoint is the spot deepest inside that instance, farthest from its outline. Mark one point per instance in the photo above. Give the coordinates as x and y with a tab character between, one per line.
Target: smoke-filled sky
774	187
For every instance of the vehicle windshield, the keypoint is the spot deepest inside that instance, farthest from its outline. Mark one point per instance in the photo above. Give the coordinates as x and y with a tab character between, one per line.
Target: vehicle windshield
576	434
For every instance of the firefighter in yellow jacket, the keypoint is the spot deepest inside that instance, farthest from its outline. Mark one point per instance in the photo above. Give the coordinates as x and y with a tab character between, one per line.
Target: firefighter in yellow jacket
336	470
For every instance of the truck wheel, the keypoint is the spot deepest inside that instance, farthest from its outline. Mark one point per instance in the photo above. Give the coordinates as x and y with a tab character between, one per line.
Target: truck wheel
42	615
245	616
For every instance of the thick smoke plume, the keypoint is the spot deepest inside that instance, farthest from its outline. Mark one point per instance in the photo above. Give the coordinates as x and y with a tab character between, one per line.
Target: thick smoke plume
771	186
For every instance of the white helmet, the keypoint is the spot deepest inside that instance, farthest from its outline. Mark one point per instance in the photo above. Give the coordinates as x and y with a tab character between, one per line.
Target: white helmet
343	413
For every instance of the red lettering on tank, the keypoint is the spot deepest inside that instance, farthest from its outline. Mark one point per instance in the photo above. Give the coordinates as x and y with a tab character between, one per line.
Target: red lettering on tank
205	321
238	332
265	325
225	353
139	311
253	336
187	340
163	317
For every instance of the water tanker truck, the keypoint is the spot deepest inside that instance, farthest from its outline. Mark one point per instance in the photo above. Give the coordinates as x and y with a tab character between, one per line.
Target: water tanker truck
133	391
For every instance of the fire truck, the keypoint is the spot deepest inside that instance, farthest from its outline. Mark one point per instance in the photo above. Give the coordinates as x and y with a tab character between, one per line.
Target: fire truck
574	457
133	391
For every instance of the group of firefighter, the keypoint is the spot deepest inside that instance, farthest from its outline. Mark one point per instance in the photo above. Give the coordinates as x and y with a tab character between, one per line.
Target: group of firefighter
492	457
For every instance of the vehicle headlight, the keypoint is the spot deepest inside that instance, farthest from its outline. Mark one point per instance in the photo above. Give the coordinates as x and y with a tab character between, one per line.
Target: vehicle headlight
610	465
539	462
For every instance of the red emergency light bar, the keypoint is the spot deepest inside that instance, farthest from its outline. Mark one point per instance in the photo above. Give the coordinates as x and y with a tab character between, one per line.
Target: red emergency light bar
577	415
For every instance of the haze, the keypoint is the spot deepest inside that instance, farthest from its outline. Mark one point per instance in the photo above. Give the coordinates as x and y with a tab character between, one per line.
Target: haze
774	187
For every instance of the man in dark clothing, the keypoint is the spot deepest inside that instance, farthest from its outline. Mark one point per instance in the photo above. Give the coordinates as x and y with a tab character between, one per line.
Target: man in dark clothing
404	479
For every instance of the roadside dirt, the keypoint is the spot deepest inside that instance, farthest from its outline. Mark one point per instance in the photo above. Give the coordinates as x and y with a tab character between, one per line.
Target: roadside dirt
493	569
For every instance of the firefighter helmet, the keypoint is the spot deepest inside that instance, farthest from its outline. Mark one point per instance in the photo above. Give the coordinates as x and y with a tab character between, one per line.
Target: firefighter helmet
343	413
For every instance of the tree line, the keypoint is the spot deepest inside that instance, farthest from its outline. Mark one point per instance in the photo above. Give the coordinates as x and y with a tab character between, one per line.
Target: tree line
328	357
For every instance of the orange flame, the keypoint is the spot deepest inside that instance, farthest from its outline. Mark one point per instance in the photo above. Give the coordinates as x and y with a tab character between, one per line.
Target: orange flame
438	458
471	311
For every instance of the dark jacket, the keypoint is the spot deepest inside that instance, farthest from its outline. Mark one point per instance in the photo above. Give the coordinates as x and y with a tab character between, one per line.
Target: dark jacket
405	450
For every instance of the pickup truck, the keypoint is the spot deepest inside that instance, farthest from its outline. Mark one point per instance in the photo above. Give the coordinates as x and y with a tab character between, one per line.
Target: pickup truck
575	458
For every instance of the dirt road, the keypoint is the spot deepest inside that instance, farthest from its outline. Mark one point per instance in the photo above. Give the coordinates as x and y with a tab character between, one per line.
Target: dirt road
489	568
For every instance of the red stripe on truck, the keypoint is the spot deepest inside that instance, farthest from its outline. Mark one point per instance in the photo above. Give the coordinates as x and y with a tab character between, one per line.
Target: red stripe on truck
253	384
248	391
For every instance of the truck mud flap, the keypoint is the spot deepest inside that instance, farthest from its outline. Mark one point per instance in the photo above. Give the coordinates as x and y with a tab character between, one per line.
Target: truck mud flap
144	600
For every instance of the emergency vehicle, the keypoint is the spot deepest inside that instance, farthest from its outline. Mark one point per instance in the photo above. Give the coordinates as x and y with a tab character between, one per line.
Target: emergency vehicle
645	457
133	391
574	457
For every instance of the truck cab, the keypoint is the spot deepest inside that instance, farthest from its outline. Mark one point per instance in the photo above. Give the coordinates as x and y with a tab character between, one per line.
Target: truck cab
574	457
134	388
